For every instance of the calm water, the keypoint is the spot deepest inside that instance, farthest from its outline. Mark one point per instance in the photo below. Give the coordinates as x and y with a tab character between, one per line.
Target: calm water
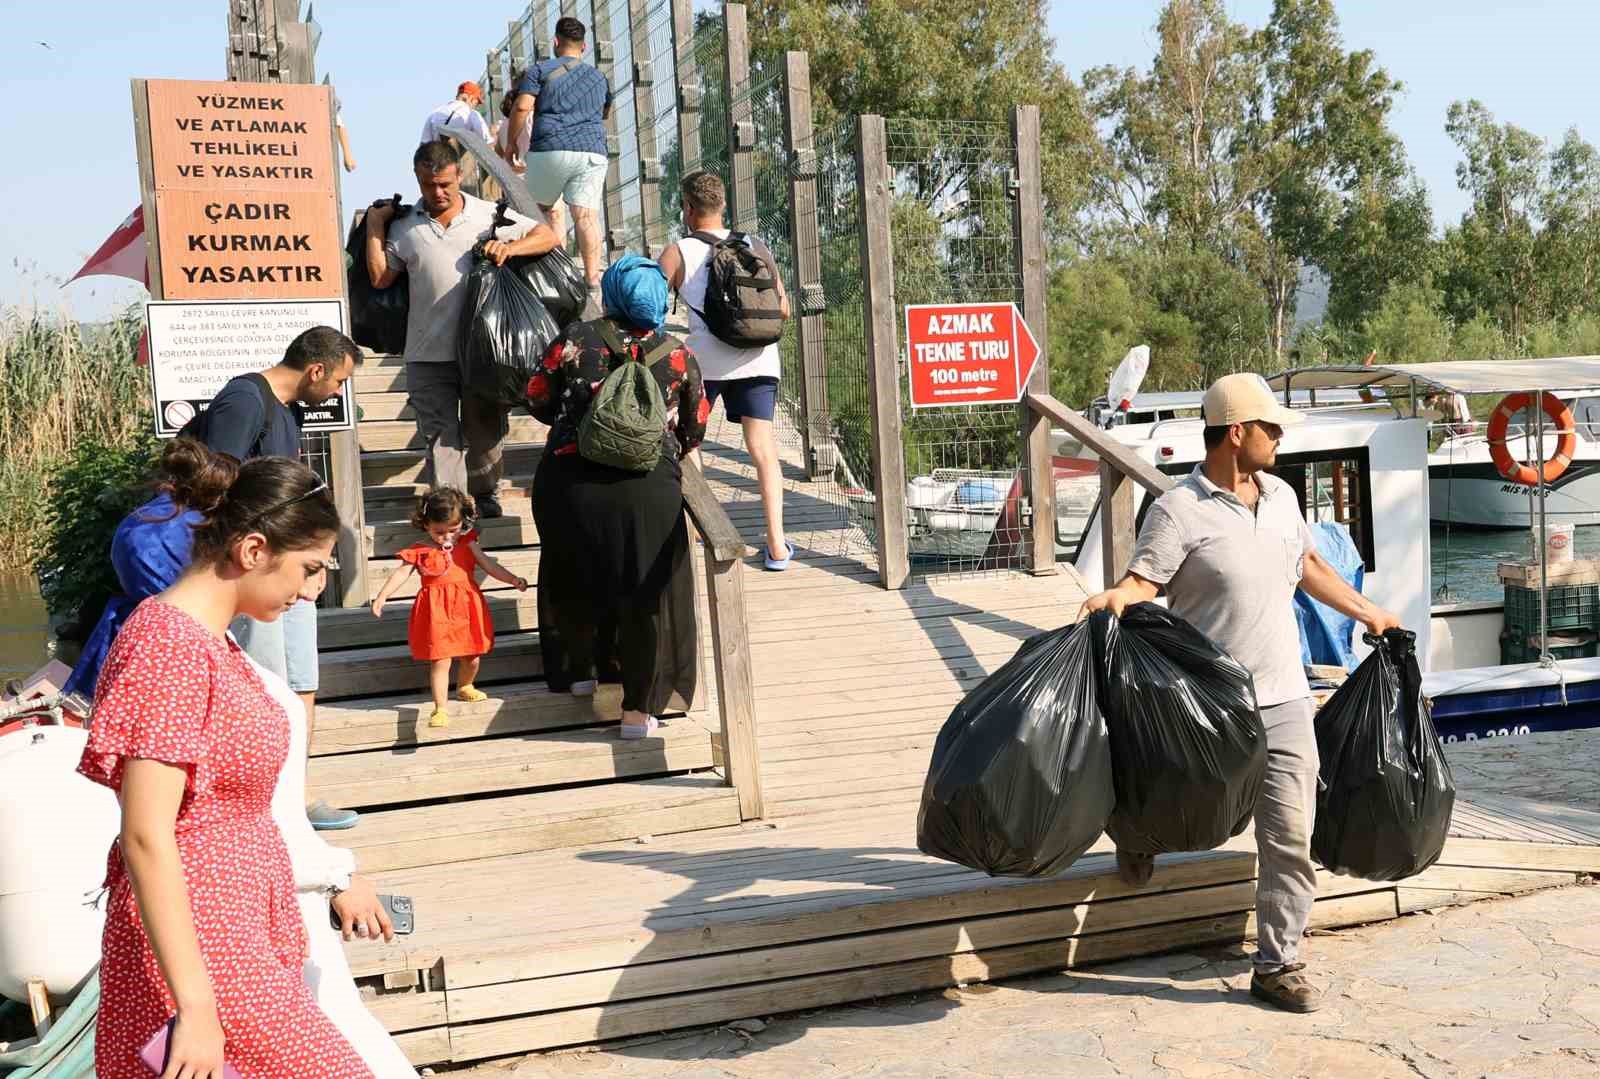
23	626
1467	560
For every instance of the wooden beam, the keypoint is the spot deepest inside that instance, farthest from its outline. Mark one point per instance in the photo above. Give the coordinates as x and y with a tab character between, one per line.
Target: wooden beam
516	44
722	538
605	59
741	119
689	89
1117	517
344	451
1027	244
147	186
1131	464
493	90
805	235
539	28
644	122
736	694
883	352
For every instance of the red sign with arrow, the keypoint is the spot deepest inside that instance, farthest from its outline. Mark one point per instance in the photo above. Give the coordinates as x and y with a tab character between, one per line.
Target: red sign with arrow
968	353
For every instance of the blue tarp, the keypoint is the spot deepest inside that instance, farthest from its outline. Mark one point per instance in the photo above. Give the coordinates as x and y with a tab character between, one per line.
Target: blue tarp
1325	634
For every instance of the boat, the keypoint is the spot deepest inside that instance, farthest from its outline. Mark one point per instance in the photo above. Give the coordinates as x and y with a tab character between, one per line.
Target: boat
1467	489
1366	466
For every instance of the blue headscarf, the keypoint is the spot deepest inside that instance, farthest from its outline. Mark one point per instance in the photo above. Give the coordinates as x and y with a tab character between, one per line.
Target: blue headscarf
635	291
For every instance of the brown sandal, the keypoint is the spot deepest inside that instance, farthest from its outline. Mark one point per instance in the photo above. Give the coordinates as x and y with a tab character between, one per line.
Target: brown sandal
1287	989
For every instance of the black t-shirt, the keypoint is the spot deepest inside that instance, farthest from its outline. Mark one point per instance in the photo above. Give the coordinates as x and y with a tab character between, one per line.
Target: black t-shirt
235	418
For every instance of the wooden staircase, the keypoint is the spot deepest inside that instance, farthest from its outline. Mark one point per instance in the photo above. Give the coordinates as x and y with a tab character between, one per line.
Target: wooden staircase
526	770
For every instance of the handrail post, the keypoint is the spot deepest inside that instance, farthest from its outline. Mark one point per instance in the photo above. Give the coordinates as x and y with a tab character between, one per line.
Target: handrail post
1034	454
724	551
804	234
741	120
883	352
686	73
1116	522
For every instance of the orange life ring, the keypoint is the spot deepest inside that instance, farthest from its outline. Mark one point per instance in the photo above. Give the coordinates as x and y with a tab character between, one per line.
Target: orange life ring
1513	469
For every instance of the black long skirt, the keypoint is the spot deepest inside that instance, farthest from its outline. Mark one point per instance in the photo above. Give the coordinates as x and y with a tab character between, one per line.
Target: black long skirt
616	591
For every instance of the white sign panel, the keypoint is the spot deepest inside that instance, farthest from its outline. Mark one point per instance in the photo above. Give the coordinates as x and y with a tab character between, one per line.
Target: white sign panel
196	346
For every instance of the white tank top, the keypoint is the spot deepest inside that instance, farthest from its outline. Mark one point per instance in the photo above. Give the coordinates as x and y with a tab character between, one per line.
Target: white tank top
718	360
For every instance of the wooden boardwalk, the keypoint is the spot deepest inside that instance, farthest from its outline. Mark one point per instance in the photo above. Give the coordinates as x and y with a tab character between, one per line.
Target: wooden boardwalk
646	905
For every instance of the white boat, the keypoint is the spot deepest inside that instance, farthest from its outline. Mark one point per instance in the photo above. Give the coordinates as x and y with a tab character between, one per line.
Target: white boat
1367	466
1465	487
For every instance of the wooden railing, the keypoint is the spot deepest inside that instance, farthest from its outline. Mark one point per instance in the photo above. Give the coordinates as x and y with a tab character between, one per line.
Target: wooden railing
1120	469
730	639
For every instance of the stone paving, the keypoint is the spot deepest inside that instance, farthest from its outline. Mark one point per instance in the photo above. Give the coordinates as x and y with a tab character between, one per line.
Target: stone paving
1505	988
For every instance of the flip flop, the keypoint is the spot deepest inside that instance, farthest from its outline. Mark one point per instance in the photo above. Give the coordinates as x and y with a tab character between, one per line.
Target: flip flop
778	565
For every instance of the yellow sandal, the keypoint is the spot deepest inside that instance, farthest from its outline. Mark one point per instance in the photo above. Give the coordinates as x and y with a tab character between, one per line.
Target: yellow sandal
440	718
471	693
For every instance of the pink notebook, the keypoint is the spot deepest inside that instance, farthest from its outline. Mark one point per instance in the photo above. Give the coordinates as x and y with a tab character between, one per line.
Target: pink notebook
154	1053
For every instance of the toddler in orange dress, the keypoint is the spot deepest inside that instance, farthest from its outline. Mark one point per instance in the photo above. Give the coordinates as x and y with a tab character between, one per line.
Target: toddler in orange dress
450	618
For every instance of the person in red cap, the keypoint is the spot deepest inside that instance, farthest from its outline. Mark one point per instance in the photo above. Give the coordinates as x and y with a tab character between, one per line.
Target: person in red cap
462	112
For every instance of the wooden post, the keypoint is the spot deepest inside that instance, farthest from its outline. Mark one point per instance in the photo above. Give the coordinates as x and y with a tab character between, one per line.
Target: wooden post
799	141
539	27
516	46
147	186
493	92
1027	242
39	1007
741	176
730	640
605	61
689	89
883	351
569	9
344	461
1116	522
644	120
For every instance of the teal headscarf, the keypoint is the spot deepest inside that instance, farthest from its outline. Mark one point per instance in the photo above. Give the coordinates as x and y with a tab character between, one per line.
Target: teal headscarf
635	291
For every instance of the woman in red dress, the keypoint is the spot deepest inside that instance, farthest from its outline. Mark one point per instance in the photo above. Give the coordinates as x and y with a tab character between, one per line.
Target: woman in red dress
202	926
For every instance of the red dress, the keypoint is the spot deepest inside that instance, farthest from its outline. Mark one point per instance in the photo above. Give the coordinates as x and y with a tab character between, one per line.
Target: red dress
450	617
171	691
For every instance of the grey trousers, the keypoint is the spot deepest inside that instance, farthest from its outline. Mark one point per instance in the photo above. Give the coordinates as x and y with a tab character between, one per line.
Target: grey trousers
464	435
1286	883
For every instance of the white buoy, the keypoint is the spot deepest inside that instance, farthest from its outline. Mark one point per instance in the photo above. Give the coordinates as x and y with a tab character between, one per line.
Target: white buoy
56	828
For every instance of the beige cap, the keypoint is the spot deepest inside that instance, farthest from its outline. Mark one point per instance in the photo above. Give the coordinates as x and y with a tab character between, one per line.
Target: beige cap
1244	397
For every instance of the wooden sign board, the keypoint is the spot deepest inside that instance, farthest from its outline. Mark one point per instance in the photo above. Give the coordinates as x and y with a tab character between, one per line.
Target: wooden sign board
245	195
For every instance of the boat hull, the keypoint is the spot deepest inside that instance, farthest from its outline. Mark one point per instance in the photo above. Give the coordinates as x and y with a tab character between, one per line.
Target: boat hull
1475	495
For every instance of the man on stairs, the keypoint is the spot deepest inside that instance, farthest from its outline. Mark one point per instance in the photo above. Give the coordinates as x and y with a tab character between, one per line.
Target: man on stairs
1229	545
258	415
433	245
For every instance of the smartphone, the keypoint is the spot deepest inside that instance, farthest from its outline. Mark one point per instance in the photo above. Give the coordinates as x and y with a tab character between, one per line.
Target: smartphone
154	1054
401	914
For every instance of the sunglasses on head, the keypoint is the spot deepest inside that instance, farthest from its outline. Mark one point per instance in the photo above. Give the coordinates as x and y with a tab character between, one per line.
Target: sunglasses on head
322	485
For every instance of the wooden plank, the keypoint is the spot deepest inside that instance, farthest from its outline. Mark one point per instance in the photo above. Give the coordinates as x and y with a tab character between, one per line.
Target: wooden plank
873	181
1505	881
722	539
816	444
408	1010
736	699
515	529
1505	854
720	1005
461	832
398	467
523	561
395	722
1118	523
503	764
742	209
403	434
147	186
509	611
1028	248
424	1047
644	118
390	668
687	75
1141	471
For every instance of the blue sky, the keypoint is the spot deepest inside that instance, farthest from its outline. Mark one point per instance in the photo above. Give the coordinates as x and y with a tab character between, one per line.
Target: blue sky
1532	62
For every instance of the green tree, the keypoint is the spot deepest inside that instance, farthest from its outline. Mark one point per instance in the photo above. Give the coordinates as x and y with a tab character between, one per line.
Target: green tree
1568	247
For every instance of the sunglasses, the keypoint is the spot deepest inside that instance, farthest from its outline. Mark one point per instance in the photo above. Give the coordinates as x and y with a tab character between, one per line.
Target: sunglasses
322	485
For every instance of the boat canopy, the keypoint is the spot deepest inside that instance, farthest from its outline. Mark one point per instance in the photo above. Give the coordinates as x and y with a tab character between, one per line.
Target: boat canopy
1557	375
1185	400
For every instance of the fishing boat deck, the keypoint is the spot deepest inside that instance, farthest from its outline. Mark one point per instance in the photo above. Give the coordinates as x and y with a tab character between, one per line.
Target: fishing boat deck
827	899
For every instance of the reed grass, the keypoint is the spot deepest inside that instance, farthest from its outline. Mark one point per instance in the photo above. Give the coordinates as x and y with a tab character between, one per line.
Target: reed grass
62	382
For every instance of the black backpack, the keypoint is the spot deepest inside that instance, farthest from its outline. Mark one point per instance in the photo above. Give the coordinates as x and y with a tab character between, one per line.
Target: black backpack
199	425
742	306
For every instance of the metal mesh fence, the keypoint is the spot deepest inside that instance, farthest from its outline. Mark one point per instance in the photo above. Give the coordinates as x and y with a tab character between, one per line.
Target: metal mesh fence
951	228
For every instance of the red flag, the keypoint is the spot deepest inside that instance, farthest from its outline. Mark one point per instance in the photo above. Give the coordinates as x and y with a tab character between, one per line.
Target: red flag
123	254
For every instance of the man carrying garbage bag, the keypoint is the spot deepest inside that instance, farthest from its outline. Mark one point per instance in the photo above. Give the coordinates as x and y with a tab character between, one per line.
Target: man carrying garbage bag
1229	545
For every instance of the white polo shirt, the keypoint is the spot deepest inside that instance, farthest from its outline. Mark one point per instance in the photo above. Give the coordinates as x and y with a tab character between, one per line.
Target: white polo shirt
453	114
436	259
1231	572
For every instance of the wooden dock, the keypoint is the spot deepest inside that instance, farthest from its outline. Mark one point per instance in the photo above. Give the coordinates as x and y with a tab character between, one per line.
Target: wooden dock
570	887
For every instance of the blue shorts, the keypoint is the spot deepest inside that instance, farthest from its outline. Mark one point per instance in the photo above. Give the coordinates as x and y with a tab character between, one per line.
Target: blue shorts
745	398
286	646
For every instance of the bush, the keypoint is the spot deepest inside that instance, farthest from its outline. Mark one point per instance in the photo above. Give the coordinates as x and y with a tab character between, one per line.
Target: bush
93	489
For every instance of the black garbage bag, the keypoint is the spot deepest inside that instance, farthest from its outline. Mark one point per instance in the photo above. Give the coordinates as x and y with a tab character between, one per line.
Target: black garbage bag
1188	751
1385	793
504	333
377	315
1020	780
558	282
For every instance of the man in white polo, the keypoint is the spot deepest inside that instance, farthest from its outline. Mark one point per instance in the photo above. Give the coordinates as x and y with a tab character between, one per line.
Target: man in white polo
1229	545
